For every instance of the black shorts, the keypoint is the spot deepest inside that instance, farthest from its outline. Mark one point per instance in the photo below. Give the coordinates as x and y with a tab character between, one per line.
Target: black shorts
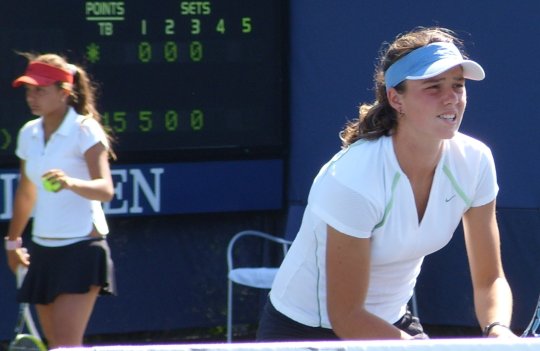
275	326
70	269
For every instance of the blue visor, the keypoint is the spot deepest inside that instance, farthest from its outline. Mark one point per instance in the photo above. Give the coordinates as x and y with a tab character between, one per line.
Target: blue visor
430	61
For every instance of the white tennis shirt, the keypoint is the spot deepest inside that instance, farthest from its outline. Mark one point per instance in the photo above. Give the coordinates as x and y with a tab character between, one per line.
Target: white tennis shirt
364	193
61	215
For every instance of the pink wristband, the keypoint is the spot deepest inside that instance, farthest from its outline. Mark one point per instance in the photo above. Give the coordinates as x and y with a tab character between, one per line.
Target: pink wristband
11	245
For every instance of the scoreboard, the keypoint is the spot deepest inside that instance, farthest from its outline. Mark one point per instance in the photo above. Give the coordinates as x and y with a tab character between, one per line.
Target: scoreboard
177	79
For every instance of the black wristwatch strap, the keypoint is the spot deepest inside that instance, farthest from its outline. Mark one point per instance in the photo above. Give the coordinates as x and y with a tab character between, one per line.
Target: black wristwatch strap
487	329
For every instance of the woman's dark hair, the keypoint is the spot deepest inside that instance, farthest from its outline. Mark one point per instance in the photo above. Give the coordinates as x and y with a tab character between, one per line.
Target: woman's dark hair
379	118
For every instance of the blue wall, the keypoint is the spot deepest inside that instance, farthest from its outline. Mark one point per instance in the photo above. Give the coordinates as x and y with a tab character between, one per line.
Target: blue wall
334	46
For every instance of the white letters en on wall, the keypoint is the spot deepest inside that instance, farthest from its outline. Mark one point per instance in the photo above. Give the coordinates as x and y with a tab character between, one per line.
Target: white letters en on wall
137	191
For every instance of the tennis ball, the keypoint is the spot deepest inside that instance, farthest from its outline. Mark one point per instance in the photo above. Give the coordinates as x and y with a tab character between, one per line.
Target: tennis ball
50	185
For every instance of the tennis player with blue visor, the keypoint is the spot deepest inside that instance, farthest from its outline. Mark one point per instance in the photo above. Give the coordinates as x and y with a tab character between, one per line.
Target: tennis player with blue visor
396	192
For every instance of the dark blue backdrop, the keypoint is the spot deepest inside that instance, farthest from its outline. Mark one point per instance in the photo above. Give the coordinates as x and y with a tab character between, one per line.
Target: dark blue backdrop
171	269
334	47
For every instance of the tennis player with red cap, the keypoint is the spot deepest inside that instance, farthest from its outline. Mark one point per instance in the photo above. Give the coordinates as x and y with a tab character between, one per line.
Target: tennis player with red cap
395	193
65	175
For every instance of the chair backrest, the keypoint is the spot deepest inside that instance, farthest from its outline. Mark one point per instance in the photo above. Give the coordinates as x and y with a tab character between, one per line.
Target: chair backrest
260	276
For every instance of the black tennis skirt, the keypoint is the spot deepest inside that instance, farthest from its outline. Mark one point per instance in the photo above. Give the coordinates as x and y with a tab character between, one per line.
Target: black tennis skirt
275	326
70	269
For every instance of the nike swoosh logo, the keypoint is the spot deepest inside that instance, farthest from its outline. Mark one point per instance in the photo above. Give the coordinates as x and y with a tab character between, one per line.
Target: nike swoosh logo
450	198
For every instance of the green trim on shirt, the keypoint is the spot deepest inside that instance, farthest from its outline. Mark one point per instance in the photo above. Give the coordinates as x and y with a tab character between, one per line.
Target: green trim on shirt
388	207
455	185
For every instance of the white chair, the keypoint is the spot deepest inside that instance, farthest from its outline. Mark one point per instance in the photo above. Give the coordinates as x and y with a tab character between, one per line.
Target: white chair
257	277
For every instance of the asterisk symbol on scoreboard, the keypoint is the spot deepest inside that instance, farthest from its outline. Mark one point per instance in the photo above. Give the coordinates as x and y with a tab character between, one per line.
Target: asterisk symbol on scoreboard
92	52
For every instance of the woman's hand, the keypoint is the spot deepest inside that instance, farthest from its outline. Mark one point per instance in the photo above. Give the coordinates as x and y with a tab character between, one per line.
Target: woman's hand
100	185
501	331
17	257
57	179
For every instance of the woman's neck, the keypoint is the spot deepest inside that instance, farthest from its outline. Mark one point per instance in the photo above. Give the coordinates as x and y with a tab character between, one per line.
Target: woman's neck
417	159
52	121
